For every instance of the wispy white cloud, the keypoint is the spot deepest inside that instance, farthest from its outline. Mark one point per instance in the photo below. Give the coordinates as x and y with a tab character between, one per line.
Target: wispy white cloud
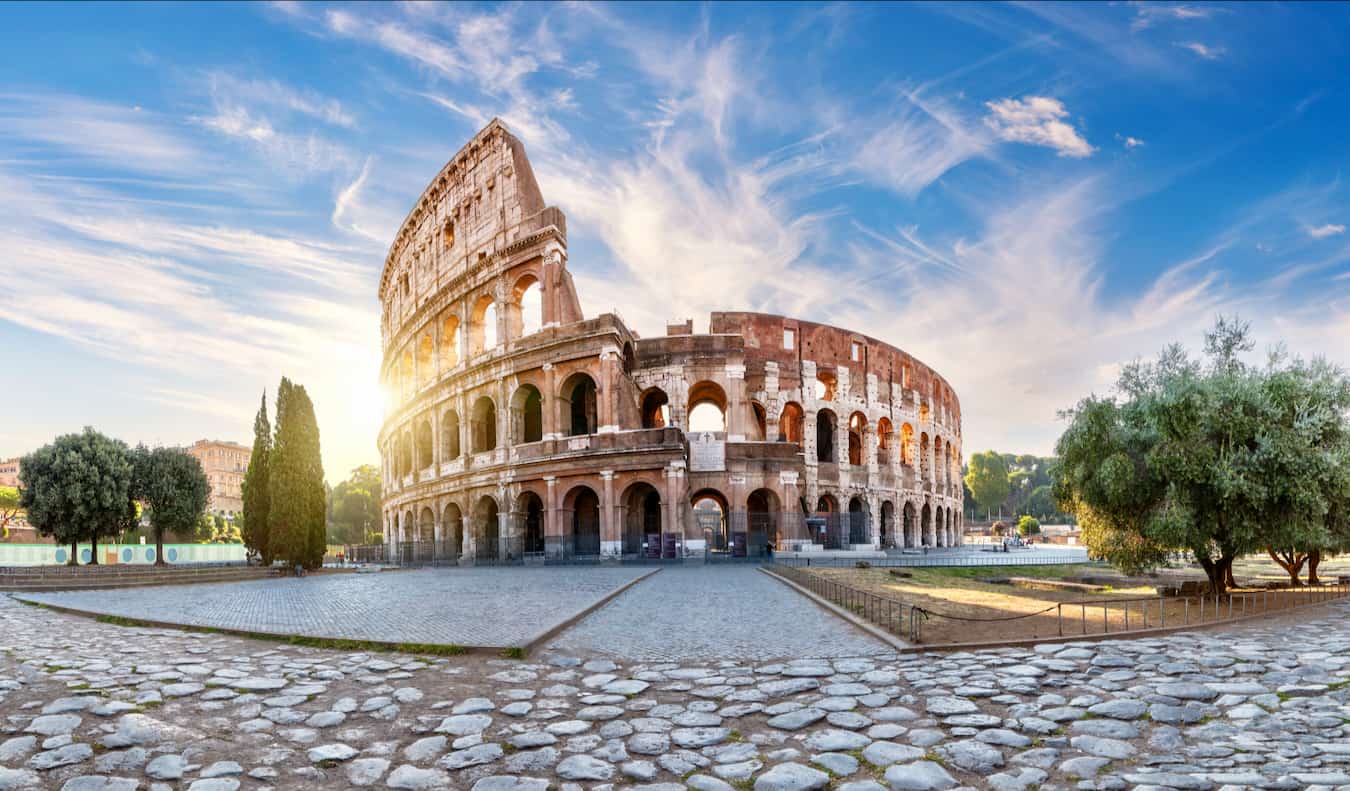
1148	14
1039	121
921	140
1128	141
1206	51
273	93
1323	231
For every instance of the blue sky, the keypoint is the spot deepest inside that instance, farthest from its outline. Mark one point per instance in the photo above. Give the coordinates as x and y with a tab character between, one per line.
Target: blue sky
197	199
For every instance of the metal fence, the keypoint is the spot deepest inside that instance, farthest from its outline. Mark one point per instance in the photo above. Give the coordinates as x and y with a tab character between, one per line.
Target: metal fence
1089	617
946	558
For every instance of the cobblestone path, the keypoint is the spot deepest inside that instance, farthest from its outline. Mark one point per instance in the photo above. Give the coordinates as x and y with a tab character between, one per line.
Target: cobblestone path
702	612
85	705
471	606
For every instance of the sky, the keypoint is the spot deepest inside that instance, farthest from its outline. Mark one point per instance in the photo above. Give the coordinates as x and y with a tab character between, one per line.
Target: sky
196	200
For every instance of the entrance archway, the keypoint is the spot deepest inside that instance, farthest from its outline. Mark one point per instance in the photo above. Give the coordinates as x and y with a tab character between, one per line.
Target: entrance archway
710	517
911	526
642	521
926	524
584	505
887	524
578	405
452	532
762	509
487	530
530	512
858	527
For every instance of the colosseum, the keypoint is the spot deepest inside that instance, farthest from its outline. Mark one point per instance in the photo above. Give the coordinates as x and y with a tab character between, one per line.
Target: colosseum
520	430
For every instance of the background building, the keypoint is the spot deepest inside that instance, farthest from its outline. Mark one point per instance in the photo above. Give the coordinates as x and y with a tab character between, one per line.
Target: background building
9	472
224	464
521	428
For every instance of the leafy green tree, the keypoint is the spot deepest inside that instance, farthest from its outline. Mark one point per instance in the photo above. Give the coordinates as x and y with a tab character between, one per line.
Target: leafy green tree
77	488
9	508
1041	503
174	486
988	479
296	517
354	506
1216	457
257	500
1028	526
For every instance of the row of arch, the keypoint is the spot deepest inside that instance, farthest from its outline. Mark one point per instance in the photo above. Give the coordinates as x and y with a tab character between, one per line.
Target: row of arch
454	338
642	522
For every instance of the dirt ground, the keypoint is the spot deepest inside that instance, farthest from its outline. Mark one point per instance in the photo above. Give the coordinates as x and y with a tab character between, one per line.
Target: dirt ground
961	606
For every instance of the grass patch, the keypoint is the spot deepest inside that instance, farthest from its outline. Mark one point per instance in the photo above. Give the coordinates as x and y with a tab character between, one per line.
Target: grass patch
514	652
337	644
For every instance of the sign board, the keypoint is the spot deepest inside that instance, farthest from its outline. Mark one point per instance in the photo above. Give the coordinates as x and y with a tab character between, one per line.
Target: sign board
707	453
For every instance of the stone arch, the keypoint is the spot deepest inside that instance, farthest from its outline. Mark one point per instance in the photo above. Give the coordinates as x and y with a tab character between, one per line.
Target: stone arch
527	415
761	422
826	427
450	435
884	431
825	385
925	468
629	358
486	528
790	423
526	311
763	511
859	521
405	455
577	403
643	519
906	444
939	464
939	527
426	527
425	446
405	374
483	425
655	408
405	533
710	510
483	326
707	407
857	428
910	527
530	522
887	527
452	530
926	526
583	506
450	342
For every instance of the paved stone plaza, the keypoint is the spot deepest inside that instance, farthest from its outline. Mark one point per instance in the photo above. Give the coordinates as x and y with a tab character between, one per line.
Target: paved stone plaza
468	607
85	705
701	612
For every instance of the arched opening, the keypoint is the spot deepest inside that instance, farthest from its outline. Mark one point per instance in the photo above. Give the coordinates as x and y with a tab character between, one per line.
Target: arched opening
925	467
642	521
450	343
655	409
452	532
450	435
578	405
927	526
939	464
483	326
487	529
584	505
707	408
530	512
406	534
426	359
424	444
426	531
405	455
857	426
887	526
483	425
527	307
907	444
910	526
826	382
762	510
858	527
629	358
826	424
790	423
710	517
828	509
884	430
761	416
527	415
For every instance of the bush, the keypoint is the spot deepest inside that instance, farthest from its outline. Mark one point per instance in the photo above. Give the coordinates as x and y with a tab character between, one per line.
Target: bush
862	564
1028	526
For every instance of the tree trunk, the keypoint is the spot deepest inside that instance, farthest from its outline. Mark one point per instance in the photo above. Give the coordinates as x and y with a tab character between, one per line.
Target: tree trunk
74	554
1219	572
93	549
159	548
1228	576
1291	562
1314	558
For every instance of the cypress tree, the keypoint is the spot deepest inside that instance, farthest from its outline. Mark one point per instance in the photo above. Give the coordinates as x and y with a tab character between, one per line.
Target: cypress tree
256	481
298	508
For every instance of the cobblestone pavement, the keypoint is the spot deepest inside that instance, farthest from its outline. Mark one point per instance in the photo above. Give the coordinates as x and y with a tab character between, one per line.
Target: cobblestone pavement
701	612
469	607
85	705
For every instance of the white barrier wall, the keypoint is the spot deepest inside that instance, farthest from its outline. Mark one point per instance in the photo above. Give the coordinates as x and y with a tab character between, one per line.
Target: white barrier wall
115	554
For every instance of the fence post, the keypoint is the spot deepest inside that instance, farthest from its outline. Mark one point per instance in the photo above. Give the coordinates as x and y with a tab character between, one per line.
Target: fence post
1059	618
1186	613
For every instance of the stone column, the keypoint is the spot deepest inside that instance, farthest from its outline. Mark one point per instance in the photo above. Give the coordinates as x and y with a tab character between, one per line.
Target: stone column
606	418
610	539
470	545
735	382
553	529
549	403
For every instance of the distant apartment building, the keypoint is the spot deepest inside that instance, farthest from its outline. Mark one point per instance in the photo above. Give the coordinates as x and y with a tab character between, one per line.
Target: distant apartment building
224	464
9	472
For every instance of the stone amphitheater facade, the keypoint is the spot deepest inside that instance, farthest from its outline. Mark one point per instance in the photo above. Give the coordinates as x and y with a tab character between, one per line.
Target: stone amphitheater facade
518	428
